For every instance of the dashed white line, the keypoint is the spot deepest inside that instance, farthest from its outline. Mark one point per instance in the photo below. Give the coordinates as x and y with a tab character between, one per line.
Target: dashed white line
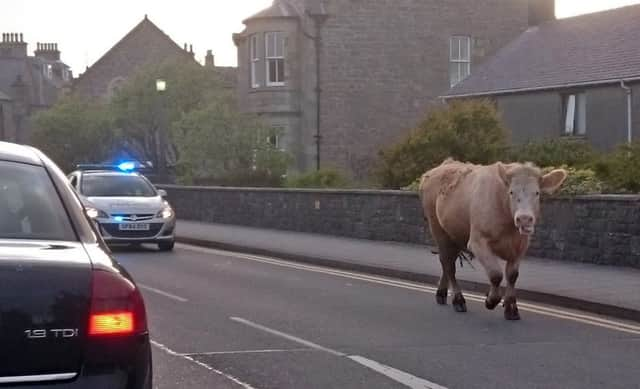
163	293
287	336
267	351
201	364
399	376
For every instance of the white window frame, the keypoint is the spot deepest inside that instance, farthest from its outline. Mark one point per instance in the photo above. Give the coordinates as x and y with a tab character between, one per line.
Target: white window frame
254	57
274	58
575	114
457	59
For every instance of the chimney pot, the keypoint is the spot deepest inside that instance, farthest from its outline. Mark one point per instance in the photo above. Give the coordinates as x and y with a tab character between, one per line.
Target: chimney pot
21	38
191	48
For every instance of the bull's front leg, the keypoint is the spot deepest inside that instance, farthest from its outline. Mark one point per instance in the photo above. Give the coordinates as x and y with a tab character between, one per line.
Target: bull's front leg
510	306
480	248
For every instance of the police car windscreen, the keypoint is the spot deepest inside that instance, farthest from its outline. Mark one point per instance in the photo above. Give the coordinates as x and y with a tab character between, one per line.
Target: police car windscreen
108	185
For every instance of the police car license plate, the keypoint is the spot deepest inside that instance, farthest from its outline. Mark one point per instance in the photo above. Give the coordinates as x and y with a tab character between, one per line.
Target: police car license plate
133	227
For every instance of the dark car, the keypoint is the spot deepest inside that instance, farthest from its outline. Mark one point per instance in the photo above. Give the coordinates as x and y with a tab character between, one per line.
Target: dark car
70	315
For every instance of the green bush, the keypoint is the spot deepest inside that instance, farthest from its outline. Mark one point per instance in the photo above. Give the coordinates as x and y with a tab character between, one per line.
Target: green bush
323	178
620	170
465	130
578	182
555	152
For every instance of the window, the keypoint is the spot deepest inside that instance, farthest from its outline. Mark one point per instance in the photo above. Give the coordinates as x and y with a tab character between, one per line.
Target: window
47	70
116	185
459	59
255	60
274	141
29	205
575	114
274	49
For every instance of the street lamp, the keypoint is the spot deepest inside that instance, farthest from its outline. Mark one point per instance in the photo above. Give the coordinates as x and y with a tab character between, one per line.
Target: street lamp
161	86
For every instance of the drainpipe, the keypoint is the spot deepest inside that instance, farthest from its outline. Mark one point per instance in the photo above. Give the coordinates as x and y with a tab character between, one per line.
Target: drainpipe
629	111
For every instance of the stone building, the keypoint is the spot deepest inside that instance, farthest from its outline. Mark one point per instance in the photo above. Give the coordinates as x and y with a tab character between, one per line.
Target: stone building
27	84
144	45
344	78
576	78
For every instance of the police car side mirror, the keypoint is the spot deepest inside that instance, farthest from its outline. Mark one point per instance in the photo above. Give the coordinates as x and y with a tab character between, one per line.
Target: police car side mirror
162	193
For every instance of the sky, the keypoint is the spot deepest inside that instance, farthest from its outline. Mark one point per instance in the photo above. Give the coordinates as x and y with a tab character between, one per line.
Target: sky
86	29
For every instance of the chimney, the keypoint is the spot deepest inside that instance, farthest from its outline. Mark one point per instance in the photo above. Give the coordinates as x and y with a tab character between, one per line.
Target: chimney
48	51
541	11
13	45
209	60
191	50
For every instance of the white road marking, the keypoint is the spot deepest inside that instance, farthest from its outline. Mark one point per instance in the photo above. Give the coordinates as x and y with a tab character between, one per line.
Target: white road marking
286	336
201	364
163	293
290	350
400	376
528	307
397	375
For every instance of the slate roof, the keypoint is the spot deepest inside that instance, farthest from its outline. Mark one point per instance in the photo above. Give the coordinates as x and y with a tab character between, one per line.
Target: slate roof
595	48
279	9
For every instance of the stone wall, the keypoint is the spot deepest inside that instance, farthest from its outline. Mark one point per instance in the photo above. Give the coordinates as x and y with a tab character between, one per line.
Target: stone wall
595	229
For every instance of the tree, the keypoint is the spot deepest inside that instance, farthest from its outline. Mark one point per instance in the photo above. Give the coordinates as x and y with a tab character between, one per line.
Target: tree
140	112
219	145
74	131
470	131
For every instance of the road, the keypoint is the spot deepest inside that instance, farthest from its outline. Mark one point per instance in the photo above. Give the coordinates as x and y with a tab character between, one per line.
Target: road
228	320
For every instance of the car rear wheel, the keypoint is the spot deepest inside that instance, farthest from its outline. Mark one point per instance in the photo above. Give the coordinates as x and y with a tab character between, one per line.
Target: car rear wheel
166	246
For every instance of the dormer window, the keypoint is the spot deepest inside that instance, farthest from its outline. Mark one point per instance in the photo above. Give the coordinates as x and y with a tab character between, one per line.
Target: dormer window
274	55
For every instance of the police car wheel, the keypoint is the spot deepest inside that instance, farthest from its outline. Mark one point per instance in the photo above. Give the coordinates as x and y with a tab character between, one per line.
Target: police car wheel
166	246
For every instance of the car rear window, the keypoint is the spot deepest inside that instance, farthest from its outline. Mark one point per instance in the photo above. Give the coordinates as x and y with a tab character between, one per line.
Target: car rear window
112	185
30	207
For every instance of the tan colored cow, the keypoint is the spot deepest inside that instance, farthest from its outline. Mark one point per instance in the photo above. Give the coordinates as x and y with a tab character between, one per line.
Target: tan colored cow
490	211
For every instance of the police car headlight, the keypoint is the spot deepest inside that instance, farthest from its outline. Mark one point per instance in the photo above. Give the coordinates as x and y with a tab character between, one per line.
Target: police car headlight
165	213
94	213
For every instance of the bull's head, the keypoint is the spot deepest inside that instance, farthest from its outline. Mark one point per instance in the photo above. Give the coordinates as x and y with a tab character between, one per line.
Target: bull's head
524	184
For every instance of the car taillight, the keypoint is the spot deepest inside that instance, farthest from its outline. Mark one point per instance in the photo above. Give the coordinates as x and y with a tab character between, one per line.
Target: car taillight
117	307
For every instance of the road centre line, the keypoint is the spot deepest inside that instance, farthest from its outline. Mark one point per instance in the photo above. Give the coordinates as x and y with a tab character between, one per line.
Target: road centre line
399	376
162	293
529	307
201	364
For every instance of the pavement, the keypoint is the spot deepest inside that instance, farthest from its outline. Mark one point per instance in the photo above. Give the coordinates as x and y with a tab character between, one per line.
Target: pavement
228	320
606	290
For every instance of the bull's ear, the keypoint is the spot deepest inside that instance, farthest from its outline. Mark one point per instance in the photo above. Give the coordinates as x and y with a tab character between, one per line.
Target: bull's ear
504	175
552	181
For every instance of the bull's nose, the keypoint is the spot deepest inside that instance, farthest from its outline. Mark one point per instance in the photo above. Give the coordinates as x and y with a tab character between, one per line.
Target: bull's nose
524	220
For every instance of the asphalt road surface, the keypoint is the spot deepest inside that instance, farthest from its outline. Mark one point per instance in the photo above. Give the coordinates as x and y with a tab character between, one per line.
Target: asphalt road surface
228	320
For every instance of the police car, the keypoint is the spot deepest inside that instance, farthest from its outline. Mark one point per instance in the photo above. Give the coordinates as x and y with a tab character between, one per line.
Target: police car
125	205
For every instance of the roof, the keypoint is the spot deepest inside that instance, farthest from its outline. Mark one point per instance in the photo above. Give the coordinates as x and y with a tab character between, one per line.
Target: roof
145	23
595	48
18	153
279	9
4	96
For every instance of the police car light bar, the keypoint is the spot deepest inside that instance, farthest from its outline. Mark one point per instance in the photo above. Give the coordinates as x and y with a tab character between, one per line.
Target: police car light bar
127	166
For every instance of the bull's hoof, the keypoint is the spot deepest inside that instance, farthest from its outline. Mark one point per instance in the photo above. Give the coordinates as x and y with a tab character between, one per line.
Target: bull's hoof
441	296
459	303
492	302
511	310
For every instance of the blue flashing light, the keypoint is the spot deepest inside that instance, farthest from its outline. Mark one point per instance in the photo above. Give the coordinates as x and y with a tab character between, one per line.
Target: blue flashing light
118	218
127	166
